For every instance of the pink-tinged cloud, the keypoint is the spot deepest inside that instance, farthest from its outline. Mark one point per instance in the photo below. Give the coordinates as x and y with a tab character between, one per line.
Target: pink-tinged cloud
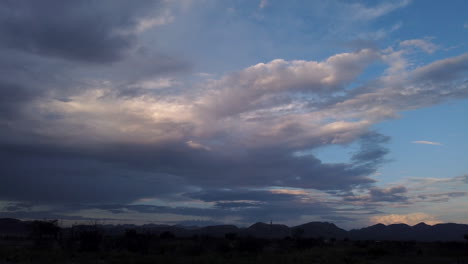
410	219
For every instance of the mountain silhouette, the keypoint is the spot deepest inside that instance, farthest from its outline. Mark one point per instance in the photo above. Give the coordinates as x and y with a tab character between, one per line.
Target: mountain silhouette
218	230
267	230
13	227
419	232
393	232
320	229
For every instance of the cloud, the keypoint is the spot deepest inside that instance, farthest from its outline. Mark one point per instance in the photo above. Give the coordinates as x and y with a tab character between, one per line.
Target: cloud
440	197
413	192
256	136
362	12
64	175
263	4
442	71
409	219
148	23
62	52
465	178
133	127
261	84
243	195
380	33
395	194
371	149
427	142
197	145
251	108
389	194
83	30
409	193
157	171
14	207
423	44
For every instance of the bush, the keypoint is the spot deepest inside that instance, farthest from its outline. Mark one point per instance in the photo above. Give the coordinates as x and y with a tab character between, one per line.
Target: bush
90	240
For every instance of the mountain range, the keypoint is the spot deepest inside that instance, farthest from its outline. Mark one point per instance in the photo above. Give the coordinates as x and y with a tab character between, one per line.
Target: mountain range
325	230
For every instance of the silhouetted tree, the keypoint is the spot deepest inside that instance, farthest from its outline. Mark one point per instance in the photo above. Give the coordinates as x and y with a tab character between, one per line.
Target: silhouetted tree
44	233
230	236
136	242
45	229
167	235
298	233
90	241
251	245
90	238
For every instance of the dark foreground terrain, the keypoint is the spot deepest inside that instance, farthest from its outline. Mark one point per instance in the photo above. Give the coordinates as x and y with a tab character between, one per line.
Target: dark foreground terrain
45	242
145	249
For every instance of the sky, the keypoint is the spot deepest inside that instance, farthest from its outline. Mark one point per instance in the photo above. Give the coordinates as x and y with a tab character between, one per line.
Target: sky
203	112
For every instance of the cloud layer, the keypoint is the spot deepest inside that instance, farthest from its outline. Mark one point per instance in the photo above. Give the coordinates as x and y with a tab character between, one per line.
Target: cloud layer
95	119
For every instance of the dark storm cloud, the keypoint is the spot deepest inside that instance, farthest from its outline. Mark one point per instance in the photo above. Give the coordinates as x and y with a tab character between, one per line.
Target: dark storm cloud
52	50
67	175
11	96
25	78
64	173
54	174
267	167
91	31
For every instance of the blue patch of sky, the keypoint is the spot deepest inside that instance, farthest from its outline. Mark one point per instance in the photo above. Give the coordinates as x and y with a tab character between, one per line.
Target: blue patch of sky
442	21
446	123
227	36
220	36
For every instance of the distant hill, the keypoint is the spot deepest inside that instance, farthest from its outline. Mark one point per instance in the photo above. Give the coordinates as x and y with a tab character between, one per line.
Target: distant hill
419	232
395	232
217	230
267	230
13	227
320	229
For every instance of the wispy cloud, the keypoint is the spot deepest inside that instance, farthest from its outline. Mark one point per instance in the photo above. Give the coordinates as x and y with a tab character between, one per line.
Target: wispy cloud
427	142
263	4
362	12
423	44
